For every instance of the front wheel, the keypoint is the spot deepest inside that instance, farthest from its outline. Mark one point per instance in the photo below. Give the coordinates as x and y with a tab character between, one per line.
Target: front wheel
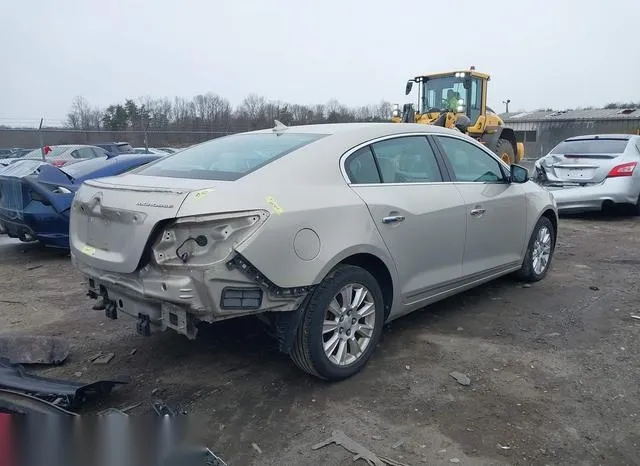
341	325
539	252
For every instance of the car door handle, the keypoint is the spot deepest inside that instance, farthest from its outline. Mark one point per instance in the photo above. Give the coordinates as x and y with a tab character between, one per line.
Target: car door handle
393	219
477	212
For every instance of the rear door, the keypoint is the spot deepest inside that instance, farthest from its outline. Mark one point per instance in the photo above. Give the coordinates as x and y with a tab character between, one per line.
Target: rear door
420	216
495	210
584	160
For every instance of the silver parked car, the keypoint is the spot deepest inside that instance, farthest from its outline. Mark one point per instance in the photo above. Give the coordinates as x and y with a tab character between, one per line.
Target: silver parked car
64	154
325	231
593	172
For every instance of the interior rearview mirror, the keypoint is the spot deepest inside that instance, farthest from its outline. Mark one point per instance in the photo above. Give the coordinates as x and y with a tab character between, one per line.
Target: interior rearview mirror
408	88
518	174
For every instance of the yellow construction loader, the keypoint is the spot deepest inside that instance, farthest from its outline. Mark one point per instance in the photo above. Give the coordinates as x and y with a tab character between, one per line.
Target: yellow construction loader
458	100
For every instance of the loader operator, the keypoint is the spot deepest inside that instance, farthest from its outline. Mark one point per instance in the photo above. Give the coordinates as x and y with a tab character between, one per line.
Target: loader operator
452	100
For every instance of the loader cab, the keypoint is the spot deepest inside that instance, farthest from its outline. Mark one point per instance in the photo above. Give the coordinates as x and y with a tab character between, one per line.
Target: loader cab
435	91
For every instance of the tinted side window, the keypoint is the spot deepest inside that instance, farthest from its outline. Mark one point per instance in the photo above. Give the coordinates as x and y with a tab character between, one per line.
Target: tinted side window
470	163
98	152
361	167
408	159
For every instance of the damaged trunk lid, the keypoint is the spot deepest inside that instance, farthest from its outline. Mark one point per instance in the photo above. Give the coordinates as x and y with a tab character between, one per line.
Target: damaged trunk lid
583	161
114	219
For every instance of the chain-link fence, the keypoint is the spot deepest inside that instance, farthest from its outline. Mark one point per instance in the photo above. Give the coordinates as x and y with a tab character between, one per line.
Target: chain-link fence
30	138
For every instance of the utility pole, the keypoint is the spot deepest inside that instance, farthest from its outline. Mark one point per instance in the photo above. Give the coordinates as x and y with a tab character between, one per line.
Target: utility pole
506	103
41	139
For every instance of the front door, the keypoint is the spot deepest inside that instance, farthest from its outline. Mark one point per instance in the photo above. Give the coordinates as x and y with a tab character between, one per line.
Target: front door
495	209
420	217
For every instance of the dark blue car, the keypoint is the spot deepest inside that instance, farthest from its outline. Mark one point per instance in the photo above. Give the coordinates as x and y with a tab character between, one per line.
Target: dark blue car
35	197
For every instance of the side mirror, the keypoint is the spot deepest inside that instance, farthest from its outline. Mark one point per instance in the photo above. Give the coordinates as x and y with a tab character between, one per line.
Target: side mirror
407	89
518	174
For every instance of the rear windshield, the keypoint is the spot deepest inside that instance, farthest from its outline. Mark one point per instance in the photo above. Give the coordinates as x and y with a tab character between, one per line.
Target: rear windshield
37	153
591	146
85	167
230	157
124	148
22	168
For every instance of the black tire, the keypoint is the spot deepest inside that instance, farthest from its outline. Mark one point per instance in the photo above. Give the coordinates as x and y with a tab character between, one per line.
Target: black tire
634	209
505	151
527	272
308	349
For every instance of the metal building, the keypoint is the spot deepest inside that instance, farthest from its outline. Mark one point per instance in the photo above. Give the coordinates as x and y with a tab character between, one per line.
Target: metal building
541	131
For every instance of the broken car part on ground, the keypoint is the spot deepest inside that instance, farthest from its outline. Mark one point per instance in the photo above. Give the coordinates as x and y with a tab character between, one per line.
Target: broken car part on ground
64	393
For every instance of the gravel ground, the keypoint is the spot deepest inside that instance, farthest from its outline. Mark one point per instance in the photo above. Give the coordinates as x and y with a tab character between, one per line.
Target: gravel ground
553	367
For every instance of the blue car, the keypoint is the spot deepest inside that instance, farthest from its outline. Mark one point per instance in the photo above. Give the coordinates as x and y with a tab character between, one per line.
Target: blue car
35	197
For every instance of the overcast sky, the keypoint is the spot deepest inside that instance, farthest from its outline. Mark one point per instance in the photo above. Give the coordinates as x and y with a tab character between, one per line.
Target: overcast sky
559	54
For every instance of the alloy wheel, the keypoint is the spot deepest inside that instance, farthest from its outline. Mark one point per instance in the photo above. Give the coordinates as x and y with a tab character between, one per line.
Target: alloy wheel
541	250
348	325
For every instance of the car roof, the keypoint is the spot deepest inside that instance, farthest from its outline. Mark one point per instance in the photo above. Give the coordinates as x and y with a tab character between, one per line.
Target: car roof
356	129
621	137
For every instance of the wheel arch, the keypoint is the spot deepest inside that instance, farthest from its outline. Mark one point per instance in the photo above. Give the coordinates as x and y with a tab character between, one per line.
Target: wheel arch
553	218
376	267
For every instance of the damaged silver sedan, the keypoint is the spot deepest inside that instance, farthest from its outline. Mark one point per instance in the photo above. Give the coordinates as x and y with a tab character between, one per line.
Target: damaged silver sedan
592	173
326	232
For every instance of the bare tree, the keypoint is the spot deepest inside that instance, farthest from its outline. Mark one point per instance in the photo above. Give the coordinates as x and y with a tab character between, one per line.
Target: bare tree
82	115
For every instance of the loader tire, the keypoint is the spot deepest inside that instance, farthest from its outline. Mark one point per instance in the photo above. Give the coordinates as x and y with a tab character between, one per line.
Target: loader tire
505	151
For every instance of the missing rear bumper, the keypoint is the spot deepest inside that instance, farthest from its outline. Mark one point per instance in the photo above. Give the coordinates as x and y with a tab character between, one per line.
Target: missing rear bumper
179	298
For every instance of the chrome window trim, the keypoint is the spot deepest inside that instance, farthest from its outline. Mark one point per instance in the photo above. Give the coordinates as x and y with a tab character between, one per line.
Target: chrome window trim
347	154
495	157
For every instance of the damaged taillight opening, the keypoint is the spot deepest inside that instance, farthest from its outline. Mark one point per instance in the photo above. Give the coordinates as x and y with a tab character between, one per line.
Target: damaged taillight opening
625	169
205	240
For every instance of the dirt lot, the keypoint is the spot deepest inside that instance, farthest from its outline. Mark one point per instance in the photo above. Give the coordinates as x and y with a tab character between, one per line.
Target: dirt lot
554	368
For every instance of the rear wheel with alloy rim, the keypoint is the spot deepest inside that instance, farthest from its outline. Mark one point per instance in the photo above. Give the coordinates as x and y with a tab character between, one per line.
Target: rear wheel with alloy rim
341	324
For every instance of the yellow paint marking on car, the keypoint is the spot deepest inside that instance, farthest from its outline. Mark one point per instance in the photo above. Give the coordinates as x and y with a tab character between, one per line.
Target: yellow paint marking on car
200	194
88	250
273	203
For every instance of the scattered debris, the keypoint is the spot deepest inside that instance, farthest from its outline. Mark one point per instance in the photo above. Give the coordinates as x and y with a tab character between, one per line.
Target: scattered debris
154	391
32	349
161	408
131	407
635	317
94	357
594	288
64	393
22	403
34	267
339	438
391	462
256	448
407	368
132	352
526	285
454	460
459	329
78	374
104	358
503	447
461	378
398	444
376	437
193	457
554	334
